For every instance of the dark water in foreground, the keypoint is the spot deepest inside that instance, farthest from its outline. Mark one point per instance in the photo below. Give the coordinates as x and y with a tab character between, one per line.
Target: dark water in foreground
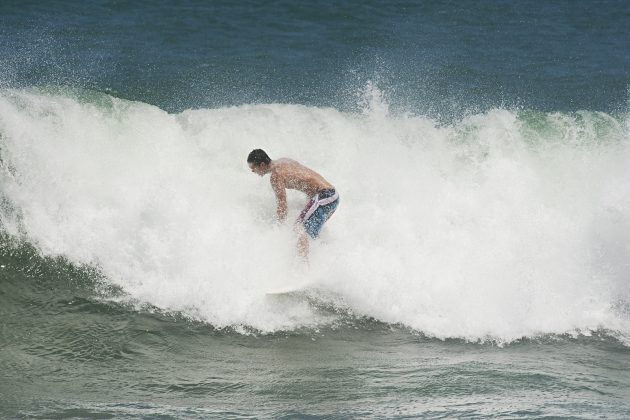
66	352
478	265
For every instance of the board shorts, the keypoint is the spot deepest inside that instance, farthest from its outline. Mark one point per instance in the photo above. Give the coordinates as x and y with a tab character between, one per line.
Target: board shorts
318	210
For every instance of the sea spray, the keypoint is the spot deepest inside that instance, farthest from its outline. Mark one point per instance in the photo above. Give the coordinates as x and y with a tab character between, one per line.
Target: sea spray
503	225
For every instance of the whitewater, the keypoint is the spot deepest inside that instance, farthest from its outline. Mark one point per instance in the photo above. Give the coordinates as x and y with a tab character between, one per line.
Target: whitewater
496	226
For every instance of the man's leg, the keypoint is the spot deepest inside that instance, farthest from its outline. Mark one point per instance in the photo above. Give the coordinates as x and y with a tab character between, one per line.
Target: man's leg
302	244
302	238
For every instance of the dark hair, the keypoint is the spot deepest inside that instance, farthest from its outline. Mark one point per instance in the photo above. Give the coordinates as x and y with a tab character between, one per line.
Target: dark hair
258	157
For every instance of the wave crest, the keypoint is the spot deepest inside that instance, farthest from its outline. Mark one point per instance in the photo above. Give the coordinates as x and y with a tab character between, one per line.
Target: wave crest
503	224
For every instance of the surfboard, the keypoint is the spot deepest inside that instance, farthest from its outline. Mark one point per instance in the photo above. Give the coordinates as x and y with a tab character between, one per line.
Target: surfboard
288	288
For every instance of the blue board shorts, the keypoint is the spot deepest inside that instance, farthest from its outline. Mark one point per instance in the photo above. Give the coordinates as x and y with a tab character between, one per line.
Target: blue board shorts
318	210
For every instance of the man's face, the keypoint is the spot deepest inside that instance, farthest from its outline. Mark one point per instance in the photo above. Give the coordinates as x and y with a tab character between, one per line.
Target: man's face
257	169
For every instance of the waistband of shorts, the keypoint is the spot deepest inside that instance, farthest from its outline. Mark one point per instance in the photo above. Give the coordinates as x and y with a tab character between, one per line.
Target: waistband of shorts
328	192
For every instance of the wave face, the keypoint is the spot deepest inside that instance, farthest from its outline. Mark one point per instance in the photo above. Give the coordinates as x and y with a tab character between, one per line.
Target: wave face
501	225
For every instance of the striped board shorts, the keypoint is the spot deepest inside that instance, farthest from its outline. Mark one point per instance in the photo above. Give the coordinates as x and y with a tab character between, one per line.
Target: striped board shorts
318	210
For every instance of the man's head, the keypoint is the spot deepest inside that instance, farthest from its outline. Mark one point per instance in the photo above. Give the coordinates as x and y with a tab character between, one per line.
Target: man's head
258	161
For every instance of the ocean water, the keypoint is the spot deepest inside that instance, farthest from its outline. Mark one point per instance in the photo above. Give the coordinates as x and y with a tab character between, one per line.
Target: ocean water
478	264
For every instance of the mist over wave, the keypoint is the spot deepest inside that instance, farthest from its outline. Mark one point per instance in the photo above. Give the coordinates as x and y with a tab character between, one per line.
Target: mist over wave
500	225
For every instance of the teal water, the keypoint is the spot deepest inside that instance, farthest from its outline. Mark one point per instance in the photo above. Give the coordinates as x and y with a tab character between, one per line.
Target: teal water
478	265
434	57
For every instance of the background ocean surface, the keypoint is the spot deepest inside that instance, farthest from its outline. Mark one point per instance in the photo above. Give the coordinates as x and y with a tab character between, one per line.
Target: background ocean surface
479	262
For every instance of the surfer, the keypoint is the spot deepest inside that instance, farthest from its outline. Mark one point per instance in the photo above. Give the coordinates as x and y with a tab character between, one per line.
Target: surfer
289	174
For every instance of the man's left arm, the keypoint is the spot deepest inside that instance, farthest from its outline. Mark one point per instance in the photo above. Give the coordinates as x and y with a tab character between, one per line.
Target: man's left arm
281	196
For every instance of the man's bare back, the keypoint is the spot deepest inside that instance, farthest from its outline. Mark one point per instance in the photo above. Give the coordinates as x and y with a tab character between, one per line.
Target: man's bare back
287	173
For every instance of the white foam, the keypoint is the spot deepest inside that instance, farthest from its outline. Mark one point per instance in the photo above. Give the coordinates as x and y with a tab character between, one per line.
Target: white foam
483	228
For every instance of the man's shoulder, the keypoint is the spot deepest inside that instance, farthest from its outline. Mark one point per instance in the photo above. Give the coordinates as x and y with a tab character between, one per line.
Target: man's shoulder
278	182
277	175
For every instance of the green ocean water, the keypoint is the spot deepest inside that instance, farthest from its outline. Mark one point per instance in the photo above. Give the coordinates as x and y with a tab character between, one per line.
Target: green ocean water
70	352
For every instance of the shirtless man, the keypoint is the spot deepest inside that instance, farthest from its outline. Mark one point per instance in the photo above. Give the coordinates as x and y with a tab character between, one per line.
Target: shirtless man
287	173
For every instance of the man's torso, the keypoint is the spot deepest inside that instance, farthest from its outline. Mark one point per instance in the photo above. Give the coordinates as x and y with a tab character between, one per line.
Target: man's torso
296	176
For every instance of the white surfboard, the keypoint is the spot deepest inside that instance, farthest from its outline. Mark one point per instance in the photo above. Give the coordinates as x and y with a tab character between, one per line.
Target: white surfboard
289	288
